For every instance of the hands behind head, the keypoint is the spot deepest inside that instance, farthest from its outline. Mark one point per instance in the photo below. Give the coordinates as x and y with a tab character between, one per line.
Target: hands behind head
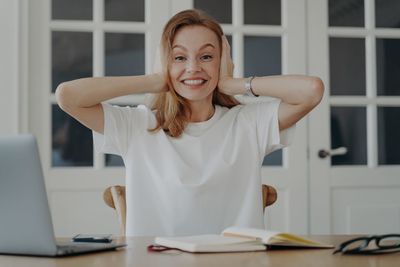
226	67
158	71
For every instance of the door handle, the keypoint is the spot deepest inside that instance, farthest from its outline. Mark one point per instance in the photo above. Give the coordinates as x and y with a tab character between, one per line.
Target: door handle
333	152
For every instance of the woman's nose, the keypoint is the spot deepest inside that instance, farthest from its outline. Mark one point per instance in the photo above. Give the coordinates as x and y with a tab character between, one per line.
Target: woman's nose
192	66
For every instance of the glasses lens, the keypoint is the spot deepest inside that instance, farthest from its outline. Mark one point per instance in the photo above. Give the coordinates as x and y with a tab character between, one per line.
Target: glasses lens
389	242
355	245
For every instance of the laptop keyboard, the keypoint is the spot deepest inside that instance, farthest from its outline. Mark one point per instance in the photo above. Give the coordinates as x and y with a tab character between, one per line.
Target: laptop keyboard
76	248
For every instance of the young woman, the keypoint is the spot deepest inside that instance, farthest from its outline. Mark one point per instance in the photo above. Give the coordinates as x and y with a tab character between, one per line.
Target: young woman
193	158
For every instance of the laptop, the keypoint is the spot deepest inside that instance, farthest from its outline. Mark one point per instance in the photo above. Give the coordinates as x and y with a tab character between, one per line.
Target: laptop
25	222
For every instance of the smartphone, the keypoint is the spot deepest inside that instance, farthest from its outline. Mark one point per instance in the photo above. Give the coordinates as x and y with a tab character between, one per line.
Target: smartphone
96	238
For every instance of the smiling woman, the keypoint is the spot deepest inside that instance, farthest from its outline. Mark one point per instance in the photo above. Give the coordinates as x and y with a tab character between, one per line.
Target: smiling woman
193	158
192	47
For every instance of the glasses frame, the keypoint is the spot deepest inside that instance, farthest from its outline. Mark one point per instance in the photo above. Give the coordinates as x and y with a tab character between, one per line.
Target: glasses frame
361	249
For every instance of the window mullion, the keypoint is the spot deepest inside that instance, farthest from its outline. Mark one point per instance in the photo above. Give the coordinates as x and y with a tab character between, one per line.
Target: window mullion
98	61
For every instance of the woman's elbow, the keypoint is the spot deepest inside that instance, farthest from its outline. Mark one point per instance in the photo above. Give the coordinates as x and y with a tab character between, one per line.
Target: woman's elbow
317	91
63	96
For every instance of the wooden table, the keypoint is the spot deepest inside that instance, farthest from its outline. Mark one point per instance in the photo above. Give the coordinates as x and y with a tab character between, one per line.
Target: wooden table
136	255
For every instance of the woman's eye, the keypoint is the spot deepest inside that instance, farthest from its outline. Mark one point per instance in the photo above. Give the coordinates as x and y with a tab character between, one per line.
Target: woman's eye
206	57
179	58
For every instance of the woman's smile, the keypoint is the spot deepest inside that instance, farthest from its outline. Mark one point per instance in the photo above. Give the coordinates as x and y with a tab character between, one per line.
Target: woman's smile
194	83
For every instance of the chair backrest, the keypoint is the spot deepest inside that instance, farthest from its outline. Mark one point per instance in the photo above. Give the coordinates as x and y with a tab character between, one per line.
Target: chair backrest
114	197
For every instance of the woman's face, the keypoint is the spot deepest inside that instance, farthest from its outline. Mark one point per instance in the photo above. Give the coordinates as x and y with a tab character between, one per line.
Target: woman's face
194	66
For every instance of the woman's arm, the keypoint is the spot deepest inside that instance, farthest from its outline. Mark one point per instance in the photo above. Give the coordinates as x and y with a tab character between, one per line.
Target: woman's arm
81	98
299	93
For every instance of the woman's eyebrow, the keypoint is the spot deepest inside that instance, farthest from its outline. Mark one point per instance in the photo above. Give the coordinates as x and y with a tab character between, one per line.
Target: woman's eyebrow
202	47
207	45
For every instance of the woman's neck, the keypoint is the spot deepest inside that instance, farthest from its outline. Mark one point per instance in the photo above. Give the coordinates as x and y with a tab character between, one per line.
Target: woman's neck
201	112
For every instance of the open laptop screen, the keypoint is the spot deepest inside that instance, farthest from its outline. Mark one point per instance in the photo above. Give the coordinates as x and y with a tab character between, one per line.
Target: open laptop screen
25	222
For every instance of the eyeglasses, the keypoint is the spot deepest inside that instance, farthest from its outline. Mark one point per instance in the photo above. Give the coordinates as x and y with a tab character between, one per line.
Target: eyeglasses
362	245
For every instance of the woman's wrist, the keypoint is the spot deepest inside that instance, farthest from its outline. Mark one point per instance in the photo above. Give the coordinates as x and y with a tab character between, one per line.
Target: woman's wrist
232	86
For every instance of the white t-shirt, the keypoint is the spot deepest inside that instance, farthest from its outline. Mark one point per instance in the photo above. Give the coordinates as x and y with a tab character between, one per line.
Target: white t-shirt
200	183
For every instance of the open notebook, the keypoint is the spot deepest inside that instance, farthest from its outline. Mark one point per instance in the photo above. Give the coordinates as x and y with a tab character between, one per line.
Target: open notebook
234	239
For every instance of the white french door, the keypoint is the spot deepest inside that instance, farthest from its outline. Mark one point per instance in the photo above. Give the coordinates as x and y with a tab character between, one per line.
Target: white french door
354	46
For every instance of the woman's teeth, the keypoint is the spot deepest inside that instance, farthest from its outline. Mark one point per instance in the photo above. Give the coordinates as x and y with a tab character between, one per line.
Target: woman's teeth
193	82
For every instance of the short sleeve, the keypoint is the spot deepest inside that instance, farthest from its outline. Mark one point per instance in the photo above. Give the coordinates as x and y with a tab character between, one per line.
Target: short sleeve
121	124
265	117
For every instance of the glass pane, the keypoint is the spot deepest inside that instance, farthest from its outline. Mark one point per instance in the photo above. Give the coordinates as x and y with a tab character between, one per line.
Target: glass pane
124	10
71	56
262	56
346	13
273	159
266	12
72	9
114	161
229	38
388	135
349	129
387	13
347	66
220	10
124	54
388	66
72	143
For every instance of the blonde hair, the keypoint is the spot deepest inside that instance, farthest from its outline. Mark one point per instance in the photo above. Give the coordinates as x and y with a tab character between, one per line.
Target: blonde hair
171	109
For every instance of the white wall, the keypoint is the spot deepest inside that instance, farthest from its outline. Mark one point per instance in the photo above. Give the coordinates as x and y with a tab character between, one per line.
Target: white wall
9	47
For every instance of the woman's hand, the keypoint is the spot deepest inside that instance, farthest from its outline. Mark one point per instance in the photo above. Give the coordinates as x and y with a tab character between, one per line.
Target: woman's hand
160	82
158	73
226	68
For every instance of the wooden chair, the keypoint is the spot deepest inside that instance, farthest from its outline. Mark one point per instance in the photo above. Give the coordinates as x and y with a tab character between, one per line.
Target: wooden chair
114	197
